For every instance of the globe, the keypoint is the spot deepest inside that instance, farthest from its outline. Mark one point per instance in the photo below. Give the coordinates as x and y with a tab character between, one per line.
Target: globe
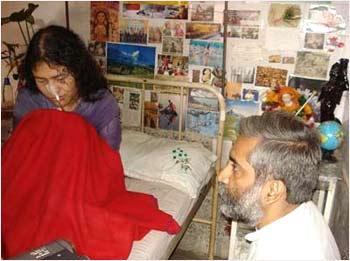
331	134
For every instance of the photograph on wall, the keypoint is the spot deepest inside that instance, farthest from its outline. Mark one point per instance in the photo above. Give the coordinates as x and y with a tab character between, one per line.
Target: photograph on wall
201	74
233	90
202	99
172	45
206	31
158	9
234	31
172	67
249	94
202	11
133	31
203	122
173	28
323	18
301	83
270	77
275	58
206	53
314	41
134	101
284	15
104	21
118	93
288	60
97	48
243	17
312	64
250	32
195	75
135	60
169	111
242	74
155	32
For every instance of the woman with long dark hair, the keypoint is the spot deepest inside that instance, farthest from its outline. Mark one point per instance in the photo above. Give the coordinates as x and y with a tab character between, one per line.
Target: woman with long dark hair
59	73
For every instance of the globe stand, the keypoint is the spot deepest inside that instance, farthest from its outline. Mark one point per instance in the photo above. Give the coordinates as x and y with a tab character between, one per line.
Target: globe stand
327	156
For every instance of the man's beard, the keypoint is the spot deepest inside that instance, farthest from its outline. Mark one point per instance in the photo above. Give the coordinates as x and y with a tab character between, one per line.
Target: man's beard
246	209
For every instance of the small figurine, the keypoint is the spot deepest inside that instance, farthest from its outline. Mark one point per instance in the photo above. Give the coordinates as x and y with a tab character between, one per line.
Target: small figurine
330	97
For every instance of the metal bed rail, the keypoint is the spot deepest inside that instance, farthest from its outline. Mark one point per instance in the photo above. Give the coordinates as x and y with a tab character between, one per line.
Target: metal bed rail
212	222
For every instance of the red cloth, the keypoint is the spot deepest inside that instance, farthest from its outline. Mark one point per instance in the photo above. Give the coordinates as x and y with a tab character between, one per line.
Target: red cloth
60	180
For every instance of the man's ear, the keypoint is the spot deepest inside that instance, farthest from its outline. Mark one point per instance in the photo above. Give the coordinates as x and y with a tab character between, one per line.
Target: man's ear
273	190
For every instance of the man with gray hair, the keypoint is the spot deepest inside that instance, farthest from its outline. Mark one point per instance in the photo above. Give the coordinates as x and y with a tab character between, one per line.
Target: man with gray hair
270	179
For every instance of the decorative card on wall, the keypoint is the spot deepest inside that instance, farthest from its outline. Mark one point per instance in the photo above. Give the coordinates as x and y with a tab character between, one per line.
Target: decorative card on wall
133	31
129	103
284	15
126	59
202	11
233	90
242	74
270	77
312	64
172	67
206	53
118	93
207	31
104	21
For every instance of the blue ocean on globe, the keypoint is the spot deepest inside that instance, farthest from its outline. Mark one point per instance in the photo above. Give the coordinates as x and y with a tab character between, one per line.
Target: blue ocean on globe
331	135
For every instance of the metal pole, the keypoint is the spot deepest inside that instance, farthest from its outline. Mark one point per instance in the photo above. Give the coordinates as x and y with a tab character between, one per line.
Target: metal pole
67	13
224	47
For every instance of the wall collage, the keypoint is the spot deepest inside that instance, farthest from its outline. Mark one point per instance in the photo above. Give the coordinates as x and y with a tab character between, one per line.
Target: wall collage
278	55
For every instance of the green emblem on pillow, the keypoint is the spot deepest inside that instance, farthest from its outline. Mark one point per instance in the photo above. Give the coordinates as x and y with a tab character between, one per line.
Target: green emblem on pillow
181	157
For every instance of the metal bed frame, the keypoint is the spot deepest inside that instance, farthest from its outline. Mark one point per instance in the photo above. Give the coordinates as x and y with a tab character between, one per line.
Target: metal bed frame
153	83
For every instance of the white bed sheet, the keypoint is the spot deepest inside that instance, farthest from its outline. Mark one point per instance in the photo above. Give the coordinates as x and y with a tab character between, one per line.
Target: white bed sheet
170	200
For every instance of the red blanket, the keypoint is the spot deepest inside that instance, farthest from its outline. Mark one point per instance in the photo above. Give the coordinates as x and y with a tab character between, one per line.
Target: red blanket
60	180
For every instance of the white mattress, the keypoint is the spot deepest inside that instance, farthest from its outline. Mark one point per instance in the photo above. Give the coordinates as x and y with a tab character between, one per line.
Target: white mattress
170	200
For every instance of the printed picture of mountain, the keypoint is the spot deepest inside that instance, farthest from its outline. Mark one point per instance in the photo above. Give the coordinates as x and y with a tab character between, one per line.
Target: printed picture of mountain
131	60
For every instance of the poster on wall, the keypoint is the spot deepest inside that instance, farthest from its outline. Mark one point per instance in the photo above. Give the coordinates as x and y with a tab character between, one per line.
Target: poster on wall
243	17
133	31
233	90
206	53
201	74
314	41
207	31
202	11
132	60
118	93
270	77
312	64
172	45
171	67
203	122
104	21
156	9
284	15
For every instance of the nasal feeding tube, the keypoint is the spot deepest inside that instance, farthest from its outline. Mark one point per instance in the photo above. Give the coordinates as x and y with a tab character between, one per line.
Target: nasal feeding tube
51	88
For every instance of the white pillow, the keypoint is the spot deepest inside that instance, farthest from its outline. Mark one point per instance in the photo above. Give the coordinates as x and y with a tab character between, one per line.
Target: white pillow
180	164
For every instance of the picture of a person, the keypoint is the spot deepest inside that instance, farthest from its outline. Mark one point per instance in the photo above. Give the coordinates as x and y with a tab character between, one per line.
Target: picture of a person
206	55
178	31
206	75
167	29
170	112
101	24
